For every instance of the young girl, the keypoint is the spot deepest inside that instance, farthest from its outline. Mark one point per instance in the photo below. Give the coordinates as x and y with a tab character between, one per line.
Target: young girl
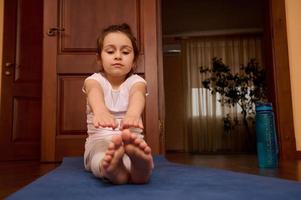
115	149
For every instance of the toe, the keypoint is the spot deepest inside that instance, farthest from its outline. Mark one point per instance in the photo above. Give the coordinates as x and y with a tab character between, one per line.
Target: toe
133	136
116	140
143	145
147	150
138	141
126	136
107	158
111	146
110	152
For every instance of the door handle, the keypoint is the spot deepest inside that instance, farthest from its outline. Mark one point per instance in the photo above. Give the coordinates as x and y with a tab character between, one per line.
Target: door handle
54	31
9	64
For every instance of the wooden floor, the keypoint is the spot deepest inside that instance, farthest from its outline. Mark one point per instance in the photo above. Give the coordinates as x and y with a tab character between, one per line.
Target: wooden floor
15	175
239	163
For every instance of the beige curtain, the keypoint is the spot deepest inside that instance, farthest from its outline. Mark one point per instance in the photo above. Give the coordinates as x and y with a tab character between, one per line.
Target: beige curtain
204	125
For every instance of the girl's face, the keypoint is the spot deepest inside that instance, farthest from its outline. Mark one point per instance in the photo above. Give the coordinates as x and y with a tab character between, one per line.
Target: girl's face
117	55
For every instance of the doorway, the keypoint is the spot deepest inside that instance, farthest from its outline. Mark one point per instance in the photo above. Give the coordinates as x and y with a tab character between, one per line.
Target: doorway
182	20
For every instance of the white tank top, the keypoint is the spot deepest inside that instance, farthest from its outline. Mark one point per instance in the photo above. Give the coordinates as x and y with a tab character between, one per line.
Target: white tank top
116	101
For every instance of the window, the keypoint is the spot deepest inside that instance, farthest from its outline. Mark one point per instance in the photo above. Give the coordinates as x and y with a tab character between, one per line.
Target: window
202	103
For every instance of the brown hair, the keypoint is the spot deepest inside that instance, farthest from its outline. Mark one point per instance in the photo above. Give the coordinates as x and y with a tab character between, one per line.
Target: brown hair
123	28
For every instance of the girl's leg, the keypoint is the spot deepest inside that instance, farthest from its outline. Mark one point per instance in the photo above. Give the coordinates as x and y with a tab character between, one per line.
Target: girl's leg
94	153
104	160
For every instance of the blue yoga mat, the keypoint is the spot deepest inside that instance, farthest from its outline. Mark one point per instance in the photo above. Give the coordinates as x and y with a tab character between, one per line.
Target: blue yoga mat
169	181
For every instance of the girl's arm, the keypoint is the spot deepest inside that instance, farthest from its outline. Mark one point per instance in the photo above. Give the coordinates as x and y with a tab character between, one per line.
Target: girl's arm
102	116
132	117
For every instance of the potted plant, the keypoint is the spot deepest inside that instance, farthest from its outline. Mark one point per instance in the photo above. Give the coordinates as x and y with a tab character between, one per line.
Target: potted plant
244	89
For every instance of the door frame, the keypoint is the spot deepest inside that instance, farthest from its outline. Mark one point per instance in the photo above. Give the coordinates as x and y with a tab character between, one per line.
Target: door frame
161	100
49	86
278	62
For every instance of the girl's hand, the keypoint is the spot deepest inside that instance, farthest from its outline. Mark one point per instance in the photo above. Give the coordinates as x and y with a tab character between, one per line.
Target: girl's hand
103	120
131	122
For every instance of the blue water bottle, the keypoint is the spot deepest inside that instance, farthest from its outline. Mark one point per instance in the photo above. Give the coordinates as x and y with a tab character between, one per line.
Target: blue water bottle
267	147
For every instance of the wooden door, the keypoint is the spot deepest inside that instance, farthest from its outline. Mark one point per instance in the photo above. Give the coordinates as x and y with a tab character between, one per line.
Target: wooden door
21	80
69	57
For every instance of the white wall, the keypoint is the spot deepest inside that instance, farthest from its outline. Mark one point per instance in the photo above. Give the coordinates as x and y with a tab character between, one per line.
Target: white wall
293	17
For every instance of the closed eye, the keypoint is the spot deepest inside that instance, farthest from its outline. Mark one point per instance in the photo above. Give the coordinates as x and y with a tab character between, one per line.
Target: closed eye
110	52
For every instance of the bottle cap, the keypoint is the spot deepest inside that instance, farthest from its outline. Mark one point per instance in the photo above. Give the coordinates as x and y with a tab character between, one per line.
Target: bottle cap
264	107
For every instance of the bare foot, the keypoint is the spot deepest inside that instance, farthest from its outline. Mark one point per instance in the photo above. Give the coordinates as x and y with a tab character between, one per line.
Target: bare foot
140	155
112	166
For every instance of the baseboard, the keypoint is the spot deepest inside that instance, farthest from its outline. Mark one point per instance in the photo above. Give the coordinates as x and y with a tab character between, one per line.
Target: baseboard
175	151
298	153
